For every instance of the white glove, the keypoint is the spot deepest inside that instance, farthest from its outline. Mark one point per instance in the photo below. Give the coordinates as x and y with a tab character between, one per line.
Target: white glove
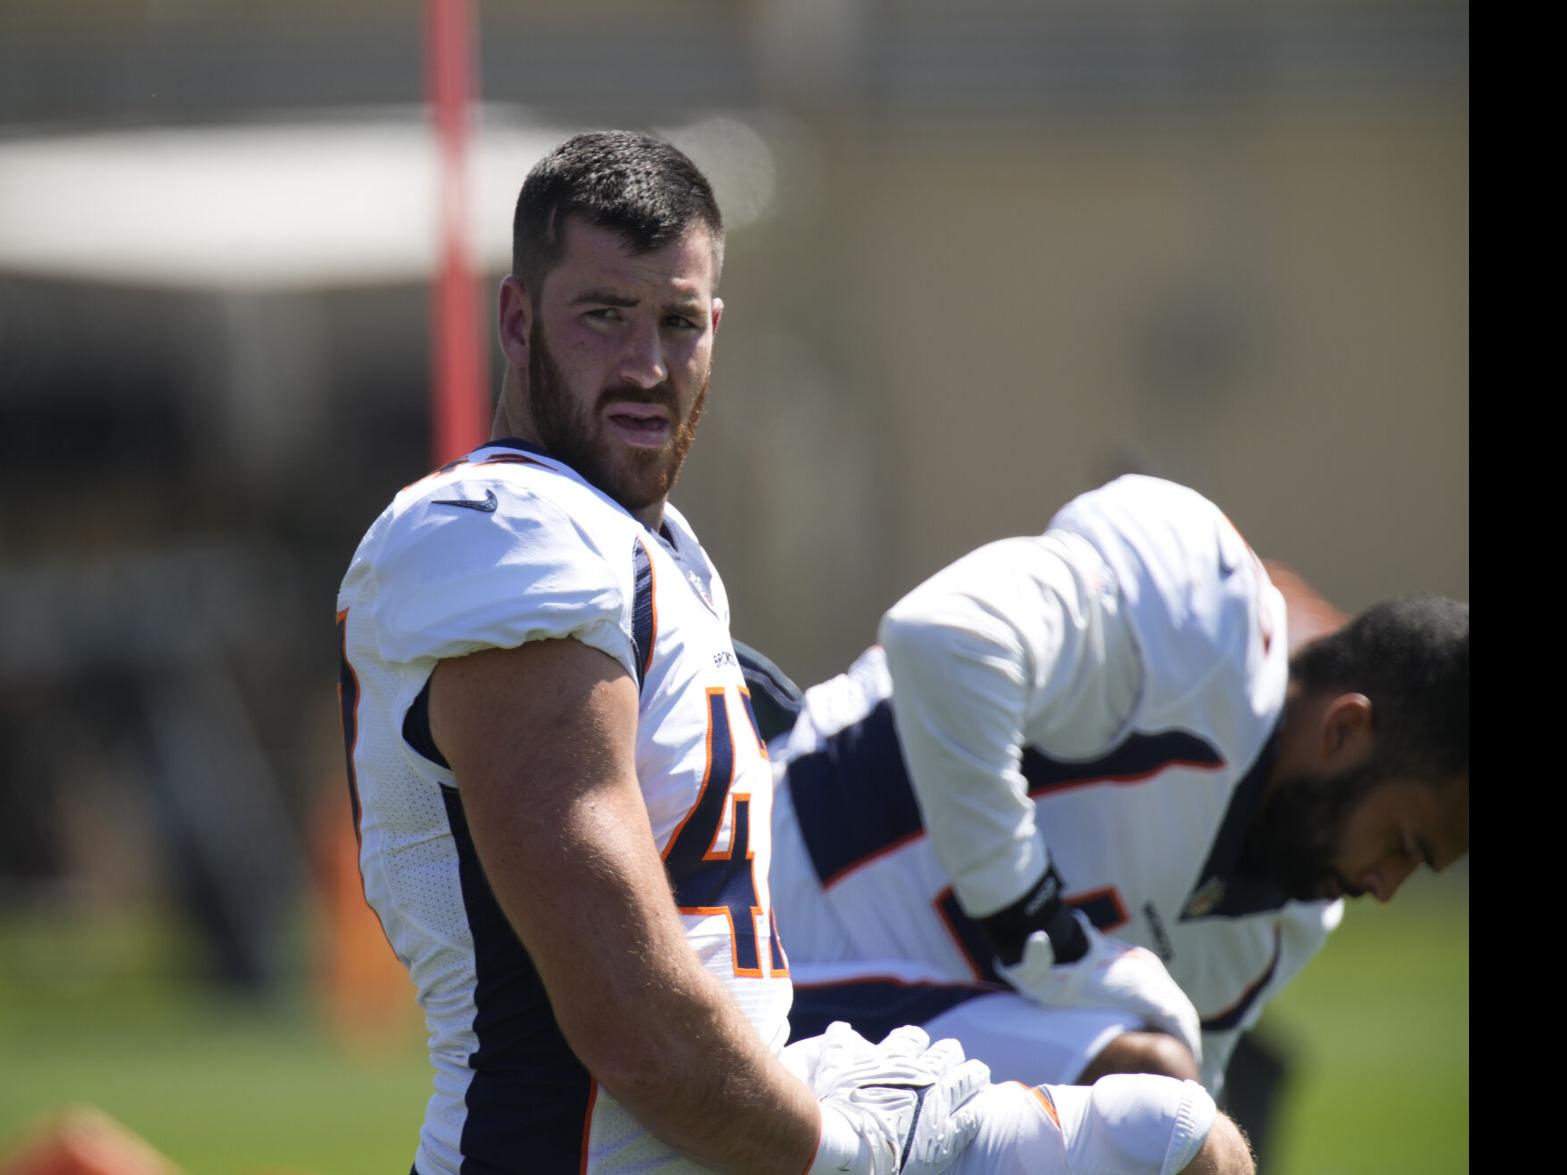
897	1108
1113	974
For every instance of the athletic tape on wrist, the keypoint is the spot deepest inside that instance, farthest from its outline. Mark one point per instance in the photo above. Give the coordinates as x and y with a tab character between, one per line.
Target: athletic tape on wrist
841	1148
1040	908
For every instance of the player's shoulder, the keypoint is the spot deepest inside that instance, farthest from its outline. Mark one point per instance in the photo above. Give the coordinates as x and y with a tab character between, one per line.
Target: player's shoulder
508	473
501	507
1196	595
501	546
505	499
1164	538
1158	517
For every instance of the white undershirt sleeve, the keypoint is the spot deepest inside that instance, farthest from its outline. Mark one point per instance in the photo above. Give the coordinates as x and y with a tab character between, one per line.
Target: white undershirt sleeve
1017	642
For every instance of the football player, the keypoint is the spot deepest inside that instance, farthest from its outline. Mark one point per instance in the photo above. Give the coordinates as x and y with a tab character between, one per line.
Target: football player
1086	809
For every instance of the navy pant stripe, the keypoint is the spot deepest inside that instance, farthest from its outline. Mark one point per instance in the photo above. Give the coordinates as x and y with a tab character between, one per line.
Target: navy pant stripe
874	1007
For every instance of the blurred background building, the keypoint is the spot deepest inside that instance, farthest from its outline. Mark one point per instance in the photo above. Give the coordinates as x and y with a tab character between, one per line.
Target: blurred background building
983	256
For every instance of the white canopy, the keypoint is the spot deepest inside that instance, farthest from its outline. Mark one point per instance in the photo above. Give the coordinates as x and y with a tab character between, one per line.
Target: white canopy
346	201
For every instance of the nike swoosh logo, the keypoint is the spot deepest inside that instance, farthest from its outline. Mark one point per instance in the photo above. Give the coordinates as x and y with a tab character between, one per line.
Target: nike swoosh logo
485	504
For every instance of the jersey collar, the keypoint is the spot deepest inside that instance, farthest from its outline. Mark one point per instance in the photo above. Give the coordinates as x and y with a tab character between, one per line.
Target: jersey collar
1222	891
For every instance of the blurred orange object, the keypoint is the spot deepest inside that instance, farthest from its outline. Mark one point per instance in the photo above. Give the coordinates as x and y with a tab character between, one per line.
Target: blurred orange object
82	1140
367	994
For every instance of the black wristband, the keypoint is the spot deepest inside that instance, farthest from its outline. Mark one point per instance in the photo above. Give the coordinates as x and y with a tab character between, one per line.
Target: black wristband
1040	908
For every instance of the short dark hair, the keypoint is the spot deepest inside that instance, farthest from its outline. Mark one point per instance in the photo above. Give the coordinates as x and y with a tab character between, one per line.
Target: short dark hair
642	187
1410	657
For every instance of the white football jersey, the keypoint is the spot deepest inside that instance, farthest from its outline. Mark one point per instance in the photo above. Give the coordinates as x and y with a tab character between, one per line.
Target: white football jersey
502	547
1103	700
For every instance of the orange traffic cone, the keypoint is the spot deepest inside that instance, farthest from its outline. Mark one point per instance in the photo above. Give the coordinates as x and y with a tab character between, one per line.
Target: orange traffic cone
367	994
82	1140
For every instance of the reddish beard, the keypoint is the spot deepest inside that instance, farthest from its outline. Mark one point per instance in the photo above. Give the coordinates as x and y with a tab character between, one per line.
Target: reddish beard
636	478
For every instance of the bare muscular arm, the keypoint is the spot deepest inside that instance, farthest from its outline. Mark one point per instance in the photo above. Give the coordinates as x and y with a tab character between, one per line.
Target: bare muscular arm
541	739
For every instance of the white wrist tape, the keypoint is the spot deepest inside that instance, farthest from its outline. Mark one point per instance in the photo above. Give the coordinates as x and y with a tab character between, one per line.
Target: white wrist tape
841	1150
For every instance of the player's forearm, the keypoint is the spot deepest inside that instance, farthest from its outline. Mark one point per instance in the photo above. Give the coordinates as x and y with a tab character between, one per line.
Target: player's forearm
960	695
649	1022
696	1075
541	741
1017	642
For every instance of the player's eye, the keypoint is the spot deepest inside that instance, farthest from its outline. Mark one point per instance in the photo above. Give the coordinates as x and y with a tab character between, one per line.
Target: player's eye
679	322
605	314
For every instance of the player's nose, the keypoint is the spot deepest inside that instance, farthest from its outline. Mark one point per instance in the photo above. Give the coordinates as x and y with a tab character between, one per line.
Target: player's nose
1388	877
643	362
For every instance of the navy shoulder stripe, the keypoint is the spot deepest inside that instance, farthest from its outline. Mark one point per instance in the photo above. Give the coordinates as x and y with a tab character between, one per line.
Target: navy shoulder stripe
416	728
644	612
1138	758
854	801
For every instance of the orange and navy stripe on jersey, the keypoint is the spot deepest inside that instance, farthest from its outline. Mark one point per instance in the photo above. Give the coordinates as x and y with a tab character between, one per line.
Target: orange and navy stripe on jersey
644	611
1235	1015
1046	1103
854	801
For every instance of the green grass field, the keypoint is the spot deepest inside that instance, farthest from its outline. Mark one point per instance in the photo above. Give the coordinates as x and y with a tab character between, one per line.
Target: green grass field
1378	1027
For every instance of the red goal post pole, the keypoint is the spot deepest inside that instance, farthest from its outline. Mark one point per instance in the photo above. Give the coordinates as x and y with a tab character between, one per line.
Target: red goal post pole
459	394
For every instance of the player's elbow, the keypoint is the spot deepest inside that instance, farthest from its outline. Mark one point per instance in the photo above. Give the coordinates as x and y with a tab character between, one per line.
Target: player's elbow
620	1058
1224	1152
636	1082
636	1076
645	1063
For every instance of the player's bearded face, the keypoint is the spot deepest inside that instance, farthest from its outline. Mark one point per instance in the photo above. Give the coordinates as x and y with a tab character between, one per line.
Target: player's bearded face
1296	837
571	427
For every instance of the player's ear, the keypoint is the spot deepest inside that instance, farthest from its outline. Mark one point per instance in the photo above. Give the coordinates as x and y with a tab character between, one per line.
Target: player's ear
718	312
514	321
1346	728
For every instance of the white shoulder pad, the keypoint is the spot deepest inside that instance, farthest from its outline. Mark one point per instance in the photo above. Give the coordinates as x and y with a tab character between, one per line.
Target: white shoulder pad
1197	596
453	578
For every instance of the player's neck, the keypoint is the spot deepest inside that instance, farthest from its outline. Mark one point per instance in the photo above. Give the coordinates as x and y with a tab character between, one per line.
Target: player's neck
1296	755
512	420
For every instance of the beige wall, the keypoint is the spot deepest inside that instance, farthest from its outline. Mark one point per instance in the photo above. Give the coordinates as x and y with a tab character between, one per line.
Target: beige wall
950	333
